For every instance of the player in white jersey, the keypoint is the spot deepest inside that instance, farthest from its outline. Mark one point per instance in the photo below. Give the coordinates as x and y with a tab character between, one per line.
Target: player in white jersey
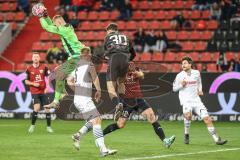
85	75
189	85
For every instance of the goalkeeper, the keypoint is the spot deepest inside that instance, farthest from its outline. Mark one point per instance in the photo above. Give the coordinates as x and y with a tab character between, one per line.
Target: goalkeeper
72	47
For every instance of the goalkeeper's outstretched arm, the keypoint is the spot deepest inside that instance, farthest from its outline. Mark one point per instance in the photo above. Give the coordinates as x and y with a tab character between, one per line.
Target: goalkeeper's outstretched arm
47	24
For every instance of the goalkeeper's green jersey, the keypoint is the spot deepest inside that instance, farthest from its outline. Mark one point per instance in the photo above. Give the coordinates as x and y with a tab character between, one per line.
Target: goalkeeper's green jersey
70	42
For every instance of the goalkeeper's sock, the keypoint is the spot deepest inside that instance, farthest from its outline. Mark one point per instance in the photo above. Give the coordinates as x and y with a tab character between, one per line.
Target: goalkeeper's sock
110	128
34	117
98	134
212	131
48	118
85	129
158	130
187	124
59	87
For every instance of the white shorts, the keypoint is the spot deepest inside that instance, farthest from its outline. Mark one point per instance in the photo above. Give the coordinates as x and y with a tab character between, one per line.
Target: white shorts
198	108
86	107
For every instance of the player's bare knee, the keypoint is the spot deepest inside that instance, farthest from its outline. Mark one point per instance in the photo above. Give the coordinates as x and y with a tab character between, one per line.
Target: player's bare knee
188	116
207	120
151	117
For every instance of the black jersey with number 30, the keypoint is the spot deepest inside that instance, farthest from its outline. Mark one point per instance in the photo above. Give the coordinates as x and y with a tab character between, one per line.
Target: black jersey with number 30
116	42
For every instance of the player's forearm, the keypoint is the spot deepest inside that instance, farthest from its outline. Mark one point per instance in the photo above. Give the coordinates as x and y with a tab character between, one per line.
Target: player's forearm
29	83
97	84
176	87
47	24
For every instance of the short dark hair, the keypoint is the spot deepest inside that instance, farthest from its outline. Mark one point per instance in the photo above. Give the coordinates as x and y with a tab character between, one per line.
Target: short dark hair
188	59
112	26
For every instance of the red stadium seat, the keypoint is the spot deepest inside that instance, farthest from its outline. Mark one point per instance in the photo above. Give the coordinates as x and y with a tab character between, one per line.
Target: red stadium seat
97	5
5	7
93	16
121	25
185	14
215	56
160	15
176	67
169	57
10	16
37	46
211	67
196	14
165	25
144	5
21	67
194	35
137	57
44	36
206	14
188	4
194	56
82	15
20	16
104	15
171	14
180	55
47	45
13	6
146	57
230	55
182	35
81	35
1	18
199	66
171	35
85	26
206	35
166	4
156	5
137	15
188	46
212	24
114	15
143	24
90	36
154	25
201	25
157	57
55	37
200	46
206	57
97	25
28	57
134	5
100	35
131	25
149	15
179	4
42	57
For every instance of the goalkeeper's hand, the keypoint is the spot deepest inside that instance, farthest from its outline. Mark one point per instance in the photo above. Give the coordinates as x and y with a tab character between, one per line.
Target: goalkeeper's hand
45	13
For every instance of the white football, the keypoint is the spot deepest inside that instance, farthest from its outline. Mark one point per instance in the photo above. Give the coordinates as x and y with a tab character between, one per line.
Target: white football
38	10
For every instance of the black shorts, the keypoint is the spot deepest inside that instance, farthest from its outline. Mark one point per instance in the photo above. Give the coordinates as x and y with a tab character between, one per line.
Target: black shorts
117	66
134	104
41	99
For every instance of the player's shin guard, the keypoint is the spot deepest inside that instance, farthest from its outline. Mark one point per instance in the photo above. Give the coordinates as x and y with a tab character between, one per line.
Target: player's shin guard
98	134
187	124
158	130
34	117
110	128
86	128
48	118
212	131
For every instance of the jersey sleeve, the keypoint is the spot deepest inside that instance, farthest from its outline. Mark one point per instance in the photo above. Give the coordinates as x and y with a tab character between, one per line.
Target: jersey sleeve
47	24
46	71
199	82
177	84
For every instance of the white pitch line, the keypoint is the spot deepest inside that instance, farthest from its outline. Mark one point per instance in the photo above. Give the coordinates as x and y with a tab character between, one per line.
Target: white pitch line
181	154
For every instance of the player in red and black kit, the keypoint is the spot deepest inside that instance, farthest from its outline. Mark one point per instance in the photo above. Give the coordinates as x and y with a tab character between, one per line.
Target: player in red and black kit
36	74
134	101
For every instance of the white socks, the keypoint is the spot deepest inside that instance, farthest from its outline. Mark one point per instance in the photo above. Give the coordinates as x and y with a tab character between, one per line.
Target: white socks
186	126
98	134
212	131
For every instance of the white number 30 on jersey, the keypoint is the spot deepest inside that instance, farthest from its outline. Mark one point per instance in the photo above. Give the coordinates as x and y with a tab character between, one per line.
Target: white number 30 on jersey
119	39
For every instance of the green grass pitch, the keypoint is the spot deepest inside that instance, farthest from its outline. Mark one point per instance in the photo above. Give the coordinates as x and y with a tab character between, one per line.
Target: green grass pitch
137	140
